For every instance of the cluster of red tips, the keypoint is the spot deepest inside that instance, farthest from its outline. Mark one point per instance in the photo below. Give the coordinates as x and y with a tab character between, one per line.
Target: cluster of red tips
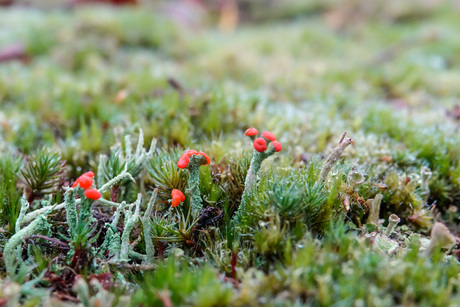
177	197
185	159
86	181
260	144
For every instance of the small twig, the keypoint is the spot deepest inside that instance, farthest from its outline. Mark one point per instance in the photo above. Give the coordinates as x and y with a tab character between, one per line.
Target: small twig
51	262
343	137
333	157
124	265
52	240
164	297
136	242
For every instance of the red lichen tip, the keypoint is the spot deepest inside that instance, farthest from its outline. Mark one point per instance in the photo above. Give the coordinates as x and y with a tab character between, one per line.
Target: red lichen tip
178	194
85	181
277	145
177	197
190	153
206	157
183	161
251	132
92	194
175	202
89	174
269	136
260	144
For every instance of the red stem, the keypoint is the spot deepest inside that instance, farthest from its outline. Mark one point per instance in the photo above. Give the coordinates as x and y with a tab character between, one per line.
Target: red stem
233	263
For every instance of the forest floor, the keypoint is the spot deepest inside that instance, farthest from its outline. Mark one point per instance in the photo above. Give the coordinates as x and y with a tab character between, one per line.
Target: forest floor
89	89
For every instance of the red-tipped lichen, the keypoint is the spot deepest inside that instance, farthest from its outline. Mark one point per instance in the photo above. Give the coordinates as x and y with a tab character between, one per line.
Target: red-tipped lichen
260	144
183	161
85	181
251	132
177	197
93	194
277	145
89	174
190	153
206	157
269	136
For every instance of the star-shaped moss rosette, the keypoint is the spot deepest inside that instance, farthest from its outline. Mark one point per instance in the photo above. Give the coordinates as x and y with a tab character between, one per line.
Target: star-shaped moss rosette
262	151
193	160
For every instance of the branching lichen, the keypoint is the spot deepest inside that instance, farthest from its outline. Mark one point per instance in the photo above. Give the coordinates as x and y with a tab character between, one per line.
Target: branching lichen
39	225
146	224
193	160
260	154
131	217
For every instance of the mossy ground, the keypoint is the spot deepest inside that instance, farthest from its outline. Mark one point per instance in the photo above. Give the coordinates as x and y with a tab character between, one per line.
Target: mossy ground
388	77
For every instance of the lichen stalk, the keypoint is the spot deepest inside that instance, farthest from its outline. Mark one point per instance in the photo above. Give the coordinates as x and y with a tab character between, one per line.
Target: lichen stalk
116	179
149	246
38	225
374	211
130	220
252	178
71	211
194	183
112	241
393	222
22	213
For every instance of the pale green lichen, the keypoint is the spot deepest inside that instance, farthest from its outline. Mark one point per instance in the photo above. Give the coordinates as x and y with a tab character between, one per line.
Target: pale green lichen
393	221
196	161
146	224
112	240
39	225
131	217
251	181
22	213
71	211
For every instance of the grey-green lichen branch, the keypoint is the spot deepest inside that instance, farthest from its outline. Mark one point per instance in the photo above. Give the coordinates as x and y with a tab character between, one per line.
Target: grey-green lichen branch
254	168
39	225
196	161
112	241
146	224
33	215
252	177
133	161
131	217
